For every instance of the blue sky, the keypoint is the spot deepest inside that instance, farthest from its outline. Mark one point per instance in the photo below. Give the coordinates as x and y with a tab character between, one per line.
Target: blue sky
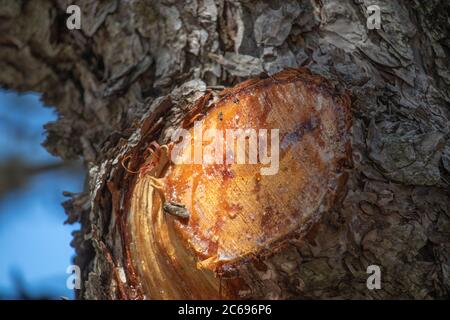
34	242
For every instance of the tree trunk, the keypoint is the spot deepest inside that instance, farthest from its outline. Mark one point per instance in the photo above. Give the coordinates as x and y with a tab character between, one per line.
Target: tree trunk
127	76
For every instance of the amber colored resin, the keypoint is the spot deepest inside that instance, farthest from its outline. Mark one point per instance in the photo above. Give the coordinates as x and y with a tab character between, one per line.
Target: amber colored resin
235	212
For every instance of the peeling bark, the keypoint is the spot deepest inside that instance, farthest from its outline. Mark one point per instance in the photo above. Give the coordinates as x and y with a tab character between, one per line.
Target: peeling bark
133	61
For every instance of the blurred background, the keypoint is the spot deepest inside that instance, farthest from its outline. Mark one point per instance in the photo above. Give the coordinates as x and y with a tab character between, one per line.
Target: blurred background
35	246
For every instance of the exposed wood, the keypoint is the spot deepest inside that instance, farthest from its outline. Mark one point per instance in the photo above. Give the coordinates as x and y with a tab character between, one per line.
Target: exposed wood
236	213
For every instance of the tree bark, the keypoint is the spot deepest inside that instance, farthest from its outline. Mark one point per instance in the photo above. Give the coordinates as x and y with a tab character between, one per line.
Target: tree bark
132	65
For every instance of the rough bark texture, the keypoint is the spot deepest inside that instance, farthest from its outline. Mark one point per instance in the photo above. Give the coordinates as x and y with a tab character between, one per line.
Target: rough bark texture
131	55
